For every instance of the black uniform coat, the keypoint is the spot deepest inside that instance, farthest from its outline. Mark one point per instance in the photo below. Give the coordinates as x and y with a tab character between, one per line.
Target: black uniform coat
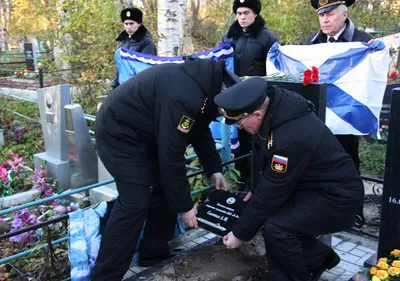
318	179
350	34
251	47
141	41
144	126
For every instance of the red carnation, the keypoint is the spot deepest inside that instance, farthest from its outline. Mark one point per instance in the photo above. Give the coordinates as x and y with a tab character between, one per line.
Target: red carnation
307	79
30	68
315	73
393	75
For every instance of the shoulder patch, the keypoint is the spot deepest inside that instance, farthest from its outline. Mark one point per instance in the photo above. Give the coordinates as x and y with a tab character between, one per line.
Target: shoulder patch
185	124
279	163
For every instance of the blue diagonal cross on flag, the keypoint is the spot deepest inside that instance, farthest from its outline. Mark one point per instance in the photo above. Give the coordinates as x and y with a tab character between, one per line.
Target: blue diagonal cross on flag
356	74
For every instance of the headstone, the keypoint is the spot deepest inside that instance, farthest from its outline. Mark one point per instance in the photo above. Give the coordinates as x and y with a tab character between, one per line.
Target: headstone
81	153
30	56
316	93
104	192
385	112
390	216
389	232
51	102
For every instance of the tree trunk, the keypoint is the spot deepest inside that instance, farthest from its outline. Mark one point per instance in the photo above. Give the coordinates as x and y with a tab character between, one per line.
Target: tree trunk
171	20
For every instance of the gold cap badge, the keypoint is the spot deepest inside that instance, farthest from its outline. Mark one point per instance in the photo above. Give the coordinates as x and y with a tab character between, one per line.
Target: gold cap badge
323	2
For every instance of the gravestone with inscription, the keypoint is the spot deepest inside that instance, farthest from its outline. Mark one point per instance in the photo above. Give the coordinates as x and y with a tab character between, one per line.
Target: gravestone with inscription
389	232
51	102
30	56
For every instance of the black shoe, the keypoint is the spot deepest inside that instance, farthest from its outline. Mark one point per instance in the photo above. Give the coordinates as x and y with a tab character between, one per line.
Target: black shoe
330	262
150	261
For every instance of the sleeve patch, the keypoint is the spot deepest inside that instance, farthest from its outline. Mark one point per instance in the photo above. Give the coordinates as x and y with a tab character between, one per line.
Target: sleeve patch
279	163
185	124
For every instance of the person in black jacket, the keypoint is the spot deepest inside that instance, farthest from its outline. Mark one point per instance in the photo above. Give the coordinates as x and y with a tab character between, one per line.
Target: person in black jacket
251	41
142	130
135	36
308	184
337	27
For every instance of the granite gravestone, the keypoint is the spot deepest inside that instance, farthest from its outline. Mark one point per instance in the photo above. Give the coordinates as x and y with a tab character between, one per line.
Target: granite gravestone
390	217
51	102
30	56
316	93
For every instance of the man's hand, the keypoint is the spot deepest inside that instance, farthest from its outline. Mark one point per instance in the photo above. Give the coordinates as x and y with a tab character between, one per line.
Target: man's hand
248	196
231	242
189	217
219	180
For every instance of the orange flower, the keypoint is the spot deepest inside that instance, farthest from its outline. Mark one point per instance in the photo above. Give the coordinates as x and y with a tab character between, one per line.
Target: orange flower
383	259
395	252
382	265
396	264
382	274
373	270
394	271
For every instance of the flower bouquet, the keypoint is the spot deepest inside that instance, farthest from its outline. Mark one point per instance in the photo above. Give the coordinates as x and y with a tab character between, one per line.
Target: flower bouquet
307	77
387	269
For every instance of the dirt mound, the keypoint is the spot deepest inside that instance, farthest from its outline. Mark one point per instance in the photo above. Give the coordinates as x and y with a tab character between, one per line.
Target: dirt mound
213	263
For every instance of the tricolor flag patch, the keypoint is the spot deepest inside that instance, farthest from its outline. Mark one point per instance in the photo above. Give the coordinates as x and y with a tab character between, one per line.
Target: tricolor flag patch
279	163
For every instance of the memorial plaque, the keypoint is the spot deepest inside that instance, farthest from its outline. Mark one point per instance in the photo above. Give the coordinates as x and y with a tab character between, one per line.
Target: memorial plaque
219	212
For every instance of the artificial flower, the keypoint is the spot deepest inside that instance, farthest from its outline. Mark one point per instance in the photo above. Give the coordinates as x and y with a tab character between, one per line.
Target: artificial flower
382	274
395	252
394	271
382	265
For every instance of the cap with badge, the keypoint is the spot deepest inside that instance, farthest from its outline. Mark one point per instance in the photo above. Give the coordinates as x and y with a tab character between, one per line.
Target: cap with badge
255	5
132	14
241	99
325	6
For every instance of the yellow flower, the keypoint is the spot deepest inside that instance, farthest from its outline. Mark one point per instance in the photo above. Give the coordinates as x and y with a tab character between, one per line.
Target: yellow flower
395	252
382	274
382	265
396	264
375	278
373	270
394	271
383	259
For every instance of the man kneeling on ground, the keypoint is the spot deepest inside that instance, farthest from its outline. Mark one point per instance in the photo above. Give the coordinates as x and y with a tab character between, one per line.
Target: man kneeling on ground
308	184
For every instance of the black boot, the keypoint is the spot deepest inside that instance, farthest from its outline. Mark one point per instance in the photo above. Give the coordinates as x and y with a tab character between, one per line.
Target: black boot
330	262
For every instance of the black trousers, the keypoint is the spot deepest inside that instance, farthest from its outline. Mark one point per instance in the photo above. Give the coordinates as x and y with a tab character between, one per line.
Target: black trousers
350	144
290	236
134	205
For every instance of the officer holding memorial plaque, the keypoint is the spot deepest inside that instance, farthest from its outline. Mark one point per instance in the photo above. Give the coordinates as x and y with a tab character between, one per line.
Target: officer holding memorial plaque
142	130
308	185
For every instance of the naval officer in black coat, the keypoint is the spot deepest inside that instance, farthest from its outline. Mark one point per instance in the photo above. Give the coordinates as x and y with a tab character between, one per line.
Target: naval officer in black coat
142	130
308	185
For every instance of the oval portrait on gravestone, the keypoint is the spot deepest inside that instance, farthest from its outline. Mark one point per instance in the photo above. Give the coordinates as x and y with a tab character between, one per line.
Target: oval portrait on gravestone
230	200
48	101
